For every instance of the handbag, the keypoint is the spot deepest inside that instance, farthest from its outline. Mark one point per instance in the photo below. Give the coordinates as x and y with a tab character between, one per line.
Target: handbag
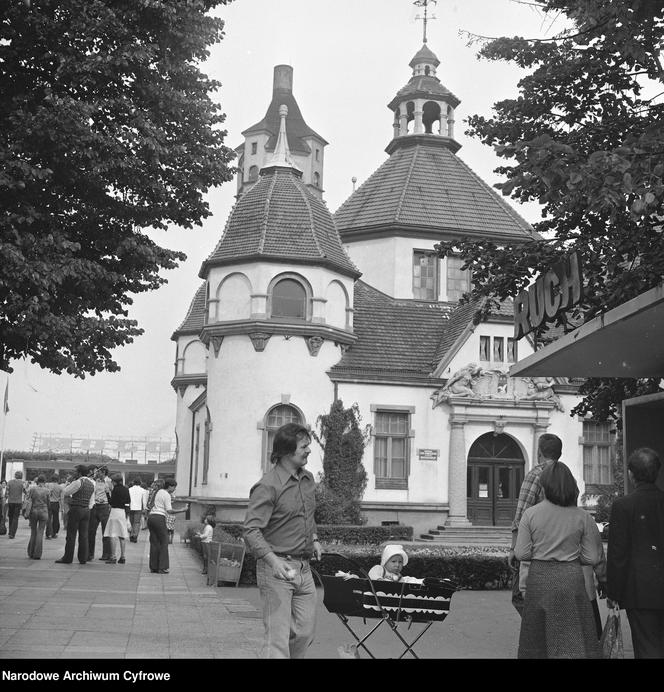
611	642
26	508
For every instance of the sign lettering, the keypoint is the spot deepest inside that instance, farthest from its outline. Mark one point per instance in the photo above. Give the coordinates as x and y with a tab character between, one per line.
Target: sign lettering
552	293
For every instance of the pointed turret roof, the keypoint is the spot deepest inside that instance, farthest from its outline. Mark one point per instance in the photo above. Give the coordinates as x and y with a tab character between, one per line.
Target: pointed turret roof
297	128
279	219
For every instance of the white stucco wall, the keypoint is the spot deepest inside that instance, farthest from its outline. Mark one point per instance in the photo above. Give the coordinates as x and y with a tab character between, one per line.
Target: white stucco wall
243	385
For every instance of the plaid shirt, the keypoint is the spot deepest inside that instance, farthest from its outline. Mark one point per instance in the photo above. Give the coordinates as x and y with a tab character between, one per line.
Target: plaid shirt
530	494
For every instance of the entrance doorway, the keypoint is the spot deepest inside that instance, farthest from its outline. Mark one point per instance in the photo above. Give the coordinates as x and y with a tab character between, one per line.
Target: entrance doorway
495	473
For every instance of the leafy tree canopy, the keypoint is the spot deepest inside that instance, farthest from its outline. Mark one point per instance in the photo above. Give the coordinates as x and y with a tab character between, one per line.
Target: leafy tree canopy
107	128
585	139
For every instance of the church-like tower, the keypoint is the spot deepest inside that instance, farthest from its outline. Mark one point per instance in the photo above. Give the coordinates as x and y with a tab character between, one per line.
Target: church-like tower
274	314
307	147
422	194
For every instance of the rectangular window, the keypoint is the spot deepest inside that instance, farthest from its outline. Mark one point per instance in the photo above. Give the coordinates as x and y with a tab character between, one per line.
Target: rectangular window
597	453
498	349
485	344
254	147
458	280
317	154
391	445
511	350
425	275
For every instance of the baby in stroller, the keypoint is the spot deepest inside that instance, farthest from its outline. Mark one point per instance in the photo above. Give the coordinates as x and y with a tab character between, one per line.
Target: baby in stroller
392	561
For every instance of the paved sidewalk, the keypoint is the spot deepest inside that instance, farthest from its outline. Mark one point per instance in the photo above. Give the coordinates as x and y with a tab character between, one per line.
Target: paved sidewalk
96	610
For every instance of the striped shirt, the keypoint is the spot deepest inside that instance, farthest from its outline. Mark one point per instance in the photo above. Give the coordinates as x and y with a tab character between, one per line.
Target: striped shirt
530	494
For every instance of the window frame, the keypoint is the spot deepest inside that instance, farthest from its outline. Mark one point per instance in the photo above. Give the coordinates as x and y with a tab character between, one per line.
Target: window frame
308	295
448	291
436	274
593	445
390	482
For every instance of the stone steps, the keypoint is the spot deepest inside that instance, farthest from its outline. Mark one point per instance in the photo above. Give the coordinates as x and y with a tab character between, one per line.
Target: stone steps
472	535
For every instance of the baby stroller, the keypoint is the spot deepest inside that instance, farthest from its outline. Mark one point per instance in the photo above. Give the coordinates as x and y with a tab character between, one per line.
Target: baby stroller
391	603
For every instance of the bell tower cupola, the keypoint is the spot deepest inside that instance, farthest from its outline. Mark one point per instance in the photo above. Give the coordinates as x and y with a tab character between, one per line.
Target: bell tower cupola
424	107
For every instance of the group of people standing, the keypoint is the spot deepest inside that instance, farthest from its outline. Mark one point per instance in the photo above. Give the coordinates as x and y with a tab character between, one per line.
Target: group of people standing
91	500
558	553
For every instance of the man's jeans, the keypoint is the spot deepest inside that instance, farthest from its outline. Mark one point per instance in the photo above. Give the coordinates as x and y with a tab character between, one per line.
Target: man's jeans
38	519
135	519
77	523
13	514
53	524
289	610
99	515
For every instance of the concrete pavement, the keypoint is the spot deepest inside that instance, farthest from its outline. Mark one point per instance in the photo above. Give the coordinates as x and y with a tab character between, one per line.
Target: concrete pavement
96	610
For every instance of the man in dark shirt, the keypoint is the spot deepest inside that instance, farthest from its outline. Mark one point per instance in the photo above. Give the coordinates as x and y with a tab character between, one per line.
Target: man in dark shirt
280	531
636	555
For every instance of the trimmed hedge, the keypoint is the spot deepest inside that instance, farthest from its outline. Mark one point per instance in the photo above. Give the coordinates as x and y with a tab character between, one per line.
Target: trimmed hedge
473	568
332	534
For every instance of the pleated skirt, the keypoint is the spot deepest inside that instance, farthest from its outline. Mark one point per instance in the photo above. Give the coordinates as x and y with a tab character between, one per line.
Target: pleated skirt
558	620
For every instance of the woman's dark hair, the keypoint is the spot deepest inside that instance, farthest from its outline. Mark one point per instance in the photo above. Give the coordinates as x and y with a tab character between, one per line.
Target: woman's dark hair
117	478
40	478
169	483
559	485
211	522
644	464
286	439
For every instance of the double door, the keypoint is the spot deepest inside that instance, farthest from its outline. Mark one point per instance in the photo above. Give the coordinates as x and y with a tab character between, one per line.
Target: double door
495	474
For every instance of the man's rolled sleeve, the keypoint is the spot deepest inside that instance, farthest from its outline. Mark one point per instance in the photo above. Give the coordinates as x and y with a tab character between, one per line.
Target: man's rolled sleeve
259	511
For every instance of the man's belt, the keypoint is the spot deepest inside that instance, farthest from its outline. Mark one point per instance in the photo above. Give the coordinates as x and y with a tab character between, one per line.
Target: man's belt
294	556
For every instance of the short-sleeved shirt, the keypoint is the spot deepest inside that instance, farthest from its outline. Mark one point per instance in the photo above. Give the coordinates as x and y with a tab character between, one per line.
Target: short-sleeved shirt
162	503
280	515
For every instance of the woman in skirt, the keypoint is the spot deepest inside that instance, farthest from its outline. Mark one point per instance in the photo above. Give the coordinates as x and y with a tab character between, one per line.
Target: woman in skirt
557	537
116	526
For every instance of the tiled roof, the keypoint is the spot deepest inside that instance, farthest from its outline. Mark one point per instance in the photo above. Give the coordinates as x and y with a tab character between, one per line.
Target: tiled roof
458	321
396	337
296	129
424	86
195	318
424	54
279	218
423	184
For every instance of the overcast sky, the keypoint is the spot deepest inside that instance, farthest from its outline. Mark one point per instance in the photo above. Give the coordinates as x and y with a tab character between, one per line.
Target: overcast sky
349	57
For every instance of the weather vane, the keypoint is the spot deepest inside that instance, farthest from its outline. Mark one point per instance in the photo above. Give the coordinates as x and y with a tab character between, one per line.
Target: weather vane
425	18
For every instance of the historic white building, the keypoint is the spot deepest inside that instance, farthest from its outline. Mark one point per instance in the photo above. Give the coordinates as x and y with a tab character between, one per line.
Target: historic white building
297	307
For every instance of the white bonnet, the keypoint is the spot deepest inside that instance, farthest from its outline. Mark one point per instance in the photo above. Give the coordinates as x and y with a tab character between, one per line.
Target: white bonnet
390	551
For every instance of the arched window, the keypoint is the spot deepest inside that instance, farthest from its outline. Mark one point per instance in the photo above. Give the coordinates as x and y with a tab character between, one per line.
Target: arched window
276	417
430	116
317	179
289	299
253	174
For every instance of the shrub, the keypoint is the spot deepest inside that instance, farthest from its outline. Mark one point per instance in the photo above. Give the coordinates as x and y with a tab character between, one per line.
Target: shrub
344	478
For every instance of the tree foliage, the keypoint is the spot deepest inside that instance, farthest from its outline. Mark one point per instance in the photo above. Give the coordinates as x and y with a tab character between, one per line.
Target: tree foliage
341	486
107	129
585	139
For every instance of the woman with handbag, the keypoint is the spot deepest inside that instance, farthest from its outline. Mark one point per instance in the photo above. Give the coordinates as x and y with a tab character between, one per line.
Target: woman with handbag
556	537
116	526
36	512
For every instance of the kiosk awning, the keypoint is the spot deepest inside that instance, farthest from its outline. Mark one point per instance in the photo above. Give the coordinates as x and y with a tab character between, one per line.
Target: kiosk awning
627	341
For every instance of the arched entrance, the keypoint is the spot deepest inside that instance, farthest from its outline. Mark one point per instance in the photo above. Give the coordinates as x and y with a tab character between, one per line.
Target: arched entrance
495	473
